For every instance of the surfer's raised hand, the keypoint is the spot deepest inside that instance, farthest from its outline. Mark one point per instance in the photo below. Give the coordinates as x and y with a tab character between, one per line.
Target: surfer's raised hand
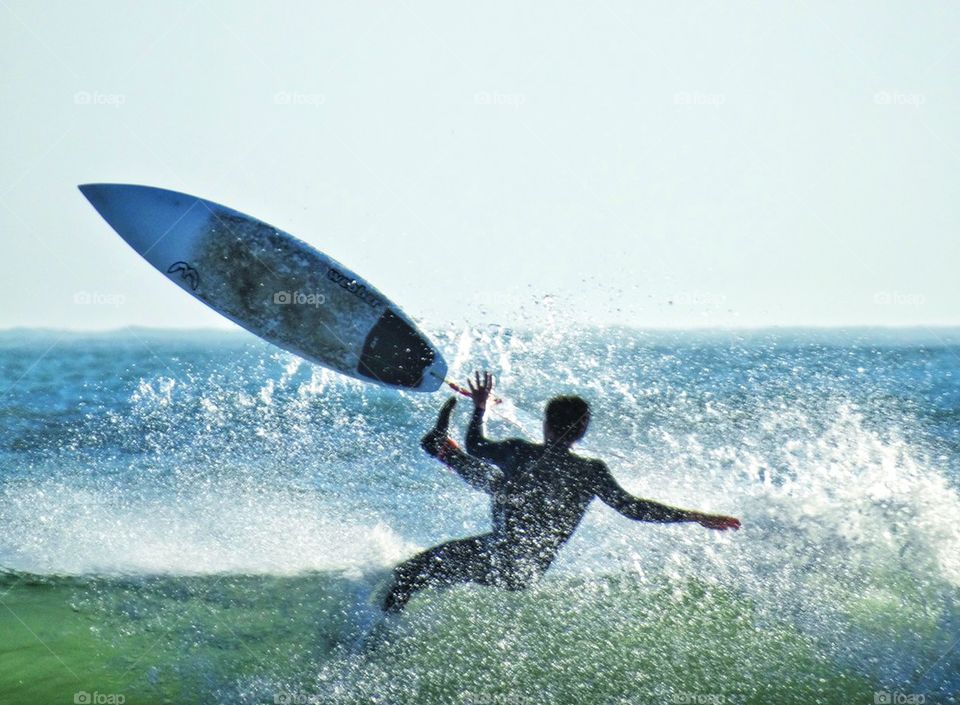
480	391
717	521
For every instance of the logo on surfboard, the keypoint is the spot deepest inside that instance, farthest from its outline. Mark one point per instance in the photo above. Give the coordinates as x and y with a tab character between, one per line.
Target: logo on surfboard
187	273
354	287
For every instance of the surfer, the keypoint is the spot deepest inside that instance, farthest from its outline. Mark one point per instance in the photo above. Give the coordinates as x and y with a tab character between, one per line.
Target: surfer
539	491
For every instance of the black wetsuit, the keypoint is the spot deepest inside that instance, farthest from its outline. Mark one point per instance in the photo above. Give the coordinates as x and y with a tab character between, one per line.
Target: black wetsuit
539	495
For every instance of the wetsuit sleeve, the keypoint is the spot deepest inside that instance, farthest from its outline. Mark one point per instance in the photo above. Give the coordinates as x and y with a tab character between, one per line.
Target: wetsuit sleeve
478	474
612	494
500	453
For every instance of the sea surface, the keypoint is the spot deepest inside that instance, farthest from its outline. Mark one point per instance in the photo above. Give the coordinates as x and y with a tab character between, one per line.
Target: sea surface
197	517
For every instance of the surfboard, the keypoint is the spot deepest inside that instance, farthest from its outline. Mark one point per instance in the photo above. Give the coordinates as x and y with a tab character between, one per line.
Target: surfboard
272	284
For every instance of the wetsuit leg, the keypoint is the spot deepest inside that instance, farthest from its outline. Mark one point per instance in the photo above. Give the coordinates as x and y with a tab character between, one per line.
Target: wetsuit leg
461	561
516	564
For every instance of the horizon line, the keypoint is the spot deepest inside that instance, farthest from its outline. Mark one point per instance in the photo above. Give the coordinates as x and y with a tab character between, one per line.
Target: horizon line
235	329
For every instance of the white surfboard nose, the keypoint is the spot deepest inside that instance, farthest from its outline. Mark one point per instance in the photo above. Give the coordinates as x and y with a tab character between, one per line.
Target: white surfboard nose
272	284
148	218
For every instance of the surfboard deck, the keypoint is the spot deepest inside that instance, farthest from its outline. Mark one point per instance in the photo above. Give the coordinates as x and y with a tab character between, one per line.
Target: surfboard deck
272	284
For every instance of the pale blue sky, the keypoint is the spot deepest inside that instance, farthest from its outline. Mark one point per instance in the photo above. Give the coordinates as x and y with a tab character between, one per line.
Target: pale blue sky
752	163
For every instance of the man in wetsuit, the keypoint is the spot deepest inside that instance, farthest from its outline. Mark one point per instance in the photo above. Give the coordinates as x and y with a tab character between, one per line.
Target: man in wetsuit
539	491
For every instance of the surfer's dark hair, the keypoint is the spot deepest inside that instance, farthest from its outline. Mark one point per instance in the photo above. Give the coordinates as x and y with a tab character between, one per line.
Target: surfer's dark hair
567	418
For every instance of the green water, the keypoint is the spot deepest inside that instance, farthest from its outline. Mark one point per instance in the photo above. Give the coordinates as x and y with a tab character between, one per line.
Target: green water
256	639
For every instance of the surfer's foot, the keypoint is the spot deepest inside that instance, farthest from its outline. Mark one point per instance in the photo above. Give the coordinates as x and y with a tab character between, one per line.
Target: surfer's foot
436	441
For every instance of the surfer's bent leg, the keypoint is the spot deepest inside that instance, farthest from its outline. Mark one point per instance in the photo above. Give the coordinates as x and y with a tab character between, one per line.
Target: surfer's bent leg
460	561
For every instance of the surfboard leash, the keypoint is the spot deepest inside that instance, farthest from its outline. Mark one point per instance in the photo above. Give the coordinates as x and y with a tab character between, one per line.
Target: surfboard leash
459	389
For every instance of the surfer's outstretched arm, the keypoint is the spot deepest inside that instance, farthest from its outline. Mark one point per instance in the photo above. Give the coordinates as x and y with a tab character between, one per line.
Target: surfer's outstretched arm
498	452
478	474
612	494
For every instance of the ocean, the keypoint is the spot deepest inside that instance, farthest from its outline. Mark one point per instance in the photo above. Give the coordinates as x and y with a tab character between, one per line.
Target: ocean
197	517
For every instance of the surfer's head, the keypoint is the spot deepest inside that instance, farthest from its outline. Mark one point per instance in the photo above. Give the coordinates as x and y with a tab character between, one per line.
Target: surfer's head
566	420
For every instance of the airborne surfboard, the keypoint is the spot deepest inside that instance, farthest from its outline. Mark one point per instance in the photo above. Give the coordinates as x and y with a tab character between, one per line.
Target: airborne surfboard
272	284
